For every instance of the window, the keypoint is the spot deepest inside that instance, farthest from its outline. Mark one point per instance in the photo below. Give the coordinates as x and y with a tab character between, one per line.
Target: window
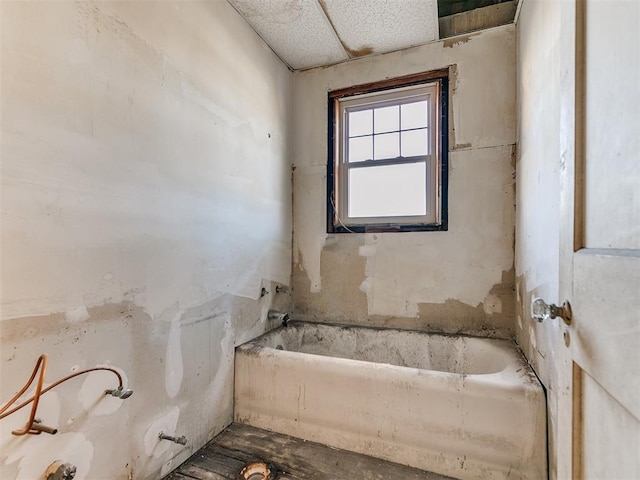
387	168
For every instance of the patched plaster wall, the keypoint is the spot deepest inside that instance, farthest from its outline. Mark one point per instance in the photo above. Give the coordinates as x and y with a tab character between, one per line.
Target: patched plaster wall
146	199
538	194
458	280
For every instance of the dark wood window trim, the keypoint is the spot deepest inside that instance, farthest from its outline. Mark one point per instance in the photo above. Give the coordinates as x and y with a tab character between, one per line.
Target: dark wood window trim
442	76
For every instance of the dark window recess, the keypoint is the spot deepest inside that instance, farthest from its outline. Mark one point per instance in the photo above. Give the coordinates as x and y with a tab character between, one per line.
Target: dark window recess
387	167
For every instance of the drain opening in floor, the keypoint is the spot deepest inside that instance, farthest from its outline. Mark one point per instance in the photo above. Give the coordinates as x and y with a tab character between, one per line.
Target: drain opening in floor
255	471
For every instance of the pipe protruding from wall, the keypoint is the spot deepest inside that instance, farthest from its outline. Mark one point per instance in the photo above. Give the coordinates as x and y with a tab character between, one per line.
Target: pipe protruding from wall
37	427
182	440
32	426
278	317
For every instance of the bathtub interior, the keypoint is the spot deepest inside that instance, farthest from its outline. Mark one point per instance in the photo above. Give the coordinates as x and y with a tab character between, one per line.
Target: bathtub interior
484	417
444	353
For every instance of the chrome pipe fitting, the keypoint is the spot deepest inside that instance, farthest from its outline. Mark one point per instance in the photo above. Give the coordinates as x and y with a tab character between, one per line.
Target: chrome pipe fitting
182	440
277	316
119	392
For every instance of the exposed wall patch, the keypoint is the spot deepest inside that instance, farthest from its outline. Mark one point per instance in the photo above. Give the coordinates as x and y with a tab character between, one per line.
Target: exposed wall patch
36	455
452	42
77	315
137	174
173	363
91	393
456	280
167	423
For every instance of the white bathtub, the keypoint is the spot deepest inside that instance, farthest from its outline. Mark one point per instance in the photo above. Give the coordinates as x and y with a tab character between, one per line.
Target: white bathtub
461	406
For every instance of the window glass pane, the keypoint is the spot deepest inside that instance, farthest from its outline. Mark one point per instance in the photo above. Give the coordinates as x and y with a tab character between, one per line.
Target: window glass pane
414	115
414	142
386	119
390	190
360	123
386	146
360	149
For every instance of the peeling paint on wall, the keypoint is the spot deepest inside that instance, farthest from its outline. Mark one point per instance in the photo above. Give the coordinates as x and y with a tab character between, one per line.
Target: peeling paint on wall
452	42
311	180
342	270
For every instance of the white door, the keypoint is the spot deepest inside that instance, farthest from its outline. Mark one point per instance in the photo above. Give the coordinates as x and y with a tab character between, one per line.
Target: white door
599	408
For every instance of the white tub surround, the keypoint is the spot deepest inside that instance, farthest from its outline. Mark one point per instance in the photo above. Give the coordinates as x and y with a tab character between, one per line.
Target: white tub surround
460	406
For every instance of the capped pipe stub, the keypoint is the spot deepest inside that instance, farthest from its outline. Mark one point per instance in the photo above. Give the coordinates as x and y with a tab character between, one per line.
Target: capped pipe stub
256	471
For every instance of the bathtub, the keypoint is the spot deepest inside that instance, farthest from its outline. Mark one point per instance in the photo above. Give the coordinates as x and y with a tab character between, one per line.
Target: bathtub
466	407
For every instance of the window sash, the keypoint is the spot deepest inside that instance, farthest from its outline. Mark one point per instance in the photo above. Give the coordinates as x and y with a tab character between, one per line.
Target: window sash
342	168
387	161
395	219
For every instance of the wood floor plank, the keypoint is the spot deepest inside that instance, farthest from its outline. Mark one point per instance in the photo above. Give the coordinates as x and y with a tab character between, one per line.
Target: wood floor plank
233	454
218	464
313	460
293	458
179	476
193	471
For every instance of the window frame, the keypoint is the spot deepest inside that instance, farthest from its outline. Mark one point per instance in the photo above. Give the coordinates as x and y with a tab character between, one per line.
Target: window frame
336	187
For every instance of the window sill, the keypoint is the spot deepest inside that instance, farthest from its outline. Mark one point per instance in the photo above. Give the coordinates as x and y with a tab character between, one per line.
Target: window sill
388	228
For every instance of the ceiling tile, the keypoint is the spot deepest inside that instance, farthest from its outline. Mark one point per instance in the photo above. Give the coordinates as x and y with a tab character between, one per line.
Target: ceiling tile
366	26
297	30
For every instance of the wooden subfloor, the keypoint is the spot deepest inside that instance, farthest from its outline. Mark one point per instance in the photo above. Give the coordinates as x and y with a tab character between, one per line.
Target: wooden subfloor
238	445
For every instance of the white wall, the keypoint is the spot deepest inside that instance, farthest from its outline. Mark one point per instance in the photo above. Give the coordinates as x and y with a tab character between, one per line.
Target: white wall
146	199
459	280
538	194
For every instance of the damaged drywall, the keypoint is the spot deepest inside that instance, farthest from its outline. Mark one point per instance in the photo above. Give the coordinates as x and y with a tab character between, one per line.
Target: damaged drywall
146	202
458	280
538	196
343	272
538	177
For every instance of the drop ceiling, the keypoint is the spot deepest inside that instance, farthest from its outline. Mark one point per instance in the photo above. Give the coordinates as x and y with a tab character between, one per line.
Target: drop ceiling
313	33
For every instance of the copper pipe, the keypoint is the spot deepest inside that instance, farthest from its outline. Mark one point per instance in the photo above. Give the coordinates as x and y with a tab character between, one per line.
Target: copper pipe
30	428
42	359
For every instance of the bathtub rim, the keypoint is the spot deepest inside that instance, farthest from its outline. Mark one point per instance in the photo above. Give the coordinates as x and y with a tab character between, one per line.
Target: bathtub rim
489	333
511	370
